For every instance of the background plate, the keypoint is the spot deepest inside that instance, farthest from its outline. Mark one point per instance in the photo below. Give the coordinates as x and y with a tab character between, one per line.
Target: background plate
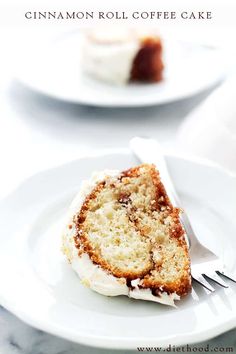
40	287
54	69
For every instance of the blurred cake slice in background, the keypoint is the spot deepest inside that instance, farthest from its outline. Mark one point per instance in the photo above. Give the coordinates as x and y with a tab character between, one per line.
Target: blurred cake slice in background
121	55
124	237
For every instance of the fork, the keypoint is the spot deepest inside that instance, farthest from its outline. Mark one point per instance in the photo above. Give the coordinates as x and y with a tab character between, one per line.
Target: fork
205	265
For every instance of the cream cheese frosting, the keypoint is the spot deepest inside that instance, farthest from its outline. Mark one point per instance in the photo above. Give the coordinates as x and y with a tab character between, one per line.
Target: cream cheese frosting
92	275
108	55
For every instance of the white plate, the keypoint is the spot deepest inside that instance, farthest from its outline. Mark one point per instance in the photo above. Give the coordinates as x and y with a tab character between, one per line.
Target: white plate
40	287
55	70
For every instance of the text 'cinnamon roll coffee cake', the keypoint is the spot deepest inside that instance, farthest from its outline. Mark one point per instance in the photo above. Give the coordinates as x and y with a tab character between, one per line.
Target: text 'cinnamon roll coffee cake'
124	237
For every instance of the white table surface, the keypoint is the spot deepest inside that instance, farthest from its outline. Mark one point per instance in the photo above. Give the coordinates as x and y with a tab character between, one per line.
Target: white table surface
36	133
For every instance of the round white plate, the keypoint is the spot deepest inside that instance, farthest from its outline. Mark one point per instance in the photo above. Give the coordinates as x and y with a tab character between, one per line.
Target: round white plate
54	69
40	287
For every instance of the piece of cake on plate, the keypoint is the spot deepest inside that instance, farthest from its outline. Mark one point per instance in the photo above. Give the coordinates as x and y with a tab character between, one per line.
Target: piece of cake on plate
124	237
121	55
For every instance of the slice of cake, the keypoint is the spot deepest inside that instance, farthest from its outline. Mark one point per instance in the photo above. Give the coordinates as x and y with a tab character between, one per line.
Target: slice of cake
120	55
124	237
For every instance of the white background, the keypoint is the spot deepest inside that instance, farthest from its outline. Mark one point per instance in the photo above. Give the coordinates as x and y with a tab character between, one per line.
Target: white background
37	132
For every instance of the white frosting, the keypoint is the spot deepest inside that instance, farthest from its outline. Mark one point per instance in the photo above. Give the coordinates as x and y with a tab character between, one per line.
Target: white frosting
146	294
109	57
93	275
97	279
